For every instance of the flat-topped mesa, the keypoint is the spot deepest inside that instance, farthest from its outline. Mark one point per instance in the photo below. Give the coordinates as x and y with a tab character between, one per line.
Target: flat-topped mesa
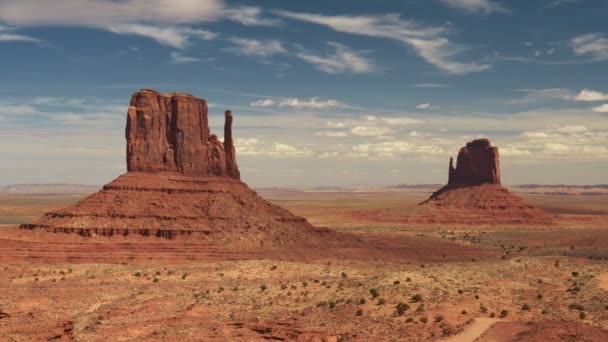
170	133
477	163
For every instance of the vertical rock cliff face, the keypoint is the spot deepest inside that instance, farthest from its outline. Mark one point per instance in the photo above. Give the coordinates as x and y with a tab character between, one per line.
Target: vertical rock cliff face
477	163
170	132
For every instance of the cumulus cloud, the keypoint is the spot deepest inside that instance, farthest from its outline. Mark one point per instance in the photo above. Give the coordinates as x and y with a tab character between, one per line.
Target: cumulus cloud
593	45
253	147
590	95
601	109
475	6
370	131
429	43
339	59
332	134
263	103
255	47
313	103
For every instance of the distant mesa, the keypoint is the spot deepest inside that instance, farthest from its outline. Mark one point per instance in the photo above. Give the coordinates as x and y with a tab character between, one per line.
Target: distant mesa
181	181
474	190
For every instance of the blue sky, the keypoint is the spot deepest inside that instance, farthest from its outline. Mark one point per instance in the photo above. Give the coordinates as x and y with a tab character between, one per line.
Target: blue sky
324	92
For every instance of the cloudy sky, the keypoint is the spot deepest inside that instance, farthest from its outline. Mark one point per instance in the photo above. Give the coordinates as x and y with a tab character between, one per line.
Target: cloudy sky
337	92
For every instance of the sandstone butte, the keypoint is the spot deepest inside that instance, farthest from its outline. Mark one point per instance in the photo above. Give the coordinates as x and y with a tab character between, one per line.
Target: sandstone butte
181	181
474	193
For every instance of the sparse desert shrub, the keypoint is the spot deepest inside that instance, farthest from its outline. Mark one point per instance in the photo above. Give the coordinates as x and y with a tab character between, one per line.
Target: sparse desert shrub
235	288
409	320
504	313
402	308
439	318
381	301
424	319
283	287
156	280
362	301
539	296
263	287
304	283
575	274
184	276
525	307
374	293
417	298
544	312
274	267
483	309
556	264
476	296
332	304
420	308
359	312
463	312
460	291
408	279
396	282
492	315
157	272
582	315
137	274
576	306
343	275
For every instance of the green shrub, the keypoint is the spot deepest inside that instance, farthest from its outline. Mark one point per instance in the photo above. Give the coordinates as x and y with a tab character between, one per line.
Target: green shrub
439	318
424	319
416	298
263	287
396	282
362	301
409	320
359	312
483	309
525	307
504	313
402	308
539	296
374	293
344	275
463	312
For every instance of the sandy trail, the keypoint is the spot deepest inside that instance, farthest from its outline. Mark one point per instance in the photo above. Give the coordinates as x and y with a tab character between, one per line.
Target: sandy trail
474	330
603	278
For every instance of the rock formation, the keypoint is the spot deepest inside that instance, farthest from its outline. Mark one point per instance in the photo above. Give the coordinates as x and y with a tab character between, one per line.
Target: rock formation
474	193
170	132
477	163
181	180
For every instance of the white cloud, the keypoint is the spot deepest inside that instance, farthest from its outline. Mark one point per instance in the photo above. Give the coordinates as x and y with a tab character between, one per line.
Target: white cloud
178	58
332	134
601	109
428	42
426	106
253	147
340	59
370	131
177	37
249	16
7	35
473	6
263	103
103	13
593	45
590	95
313	103
254	47
539	95
571	129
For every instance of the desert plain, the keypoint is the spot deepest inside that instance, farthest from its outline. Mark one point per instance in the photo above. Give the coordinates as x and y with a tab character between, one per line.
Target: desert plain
417	281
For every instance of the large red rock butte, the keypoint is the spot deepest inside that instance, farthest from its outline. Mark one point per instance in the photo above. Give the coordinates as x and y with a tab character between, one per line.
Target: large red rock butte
181	180
474	193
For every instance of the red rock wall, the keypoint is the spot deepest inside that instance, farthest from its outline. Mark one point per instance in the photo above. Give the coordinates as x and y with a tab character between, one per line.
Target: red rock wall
477	163
170	132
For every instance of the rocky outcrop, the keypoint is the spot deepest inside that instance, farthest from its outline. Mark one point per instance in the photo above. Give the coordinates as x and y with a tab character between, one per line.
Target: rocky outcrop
477	163
474	193
181	182
170	132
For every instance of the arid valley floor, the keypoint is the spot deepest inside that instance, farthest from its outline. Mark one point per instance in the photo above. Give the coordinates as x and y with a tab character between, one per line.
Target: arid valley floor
455	282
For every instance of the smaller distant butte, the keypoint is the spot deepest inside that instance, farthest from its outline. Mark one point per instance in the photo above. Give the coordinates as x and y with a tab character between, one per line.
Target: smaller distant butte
474	191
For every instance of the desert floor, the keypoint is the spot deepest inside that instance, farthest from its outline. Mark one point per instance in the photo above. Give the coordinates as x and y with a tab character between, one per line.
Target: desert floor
451	283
